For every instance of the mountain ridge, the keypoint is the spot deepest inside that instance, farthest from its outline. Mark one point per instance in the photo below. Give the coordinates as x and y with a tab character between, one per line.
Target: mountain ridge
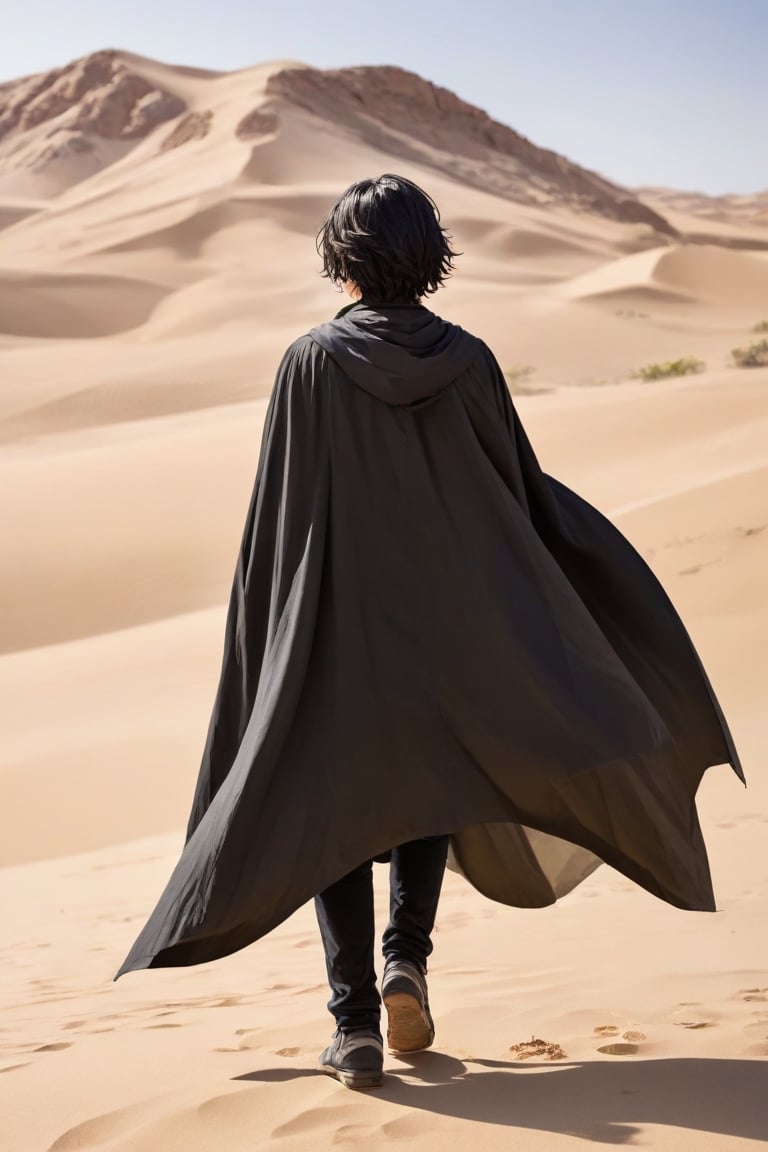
86	114
110	118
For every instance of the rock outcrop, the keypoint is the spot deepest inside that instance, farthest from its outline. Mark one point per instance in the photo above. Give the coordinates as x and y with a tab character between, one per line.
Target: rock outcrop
409	116
193	126
260	122
83	116
98	95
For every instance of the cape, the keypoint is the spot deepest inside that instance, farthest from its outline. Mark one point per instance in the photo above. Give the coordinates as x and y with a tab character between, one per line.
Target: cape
427	634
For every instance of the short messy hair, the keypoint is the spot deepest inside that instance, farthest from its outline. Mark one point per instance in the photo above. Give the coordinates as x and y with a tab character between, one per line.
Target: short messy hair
385	235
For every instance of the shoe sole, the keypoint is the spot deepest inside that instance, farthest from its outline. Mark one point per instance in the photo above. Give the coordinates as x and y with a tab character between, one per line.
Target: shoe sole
409	1028
359	1081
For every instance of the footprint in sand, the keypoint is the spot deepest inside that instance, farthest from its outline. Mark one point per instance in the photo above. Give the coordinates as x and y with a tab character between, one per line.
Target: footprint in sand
620	1049
59	1047
751	994
629	1045
287	1051
249	1040
757	1031
693	1015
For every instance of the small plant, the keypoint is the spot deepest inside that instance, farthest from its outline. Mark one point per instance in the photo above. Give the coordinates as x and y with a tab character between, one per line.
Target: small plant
516	378
761	326
682	367
517	375
755	355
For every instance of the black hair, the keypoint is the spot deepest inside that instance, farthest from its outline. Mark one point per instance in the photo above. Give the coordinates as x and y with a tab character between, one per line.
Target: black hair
385	235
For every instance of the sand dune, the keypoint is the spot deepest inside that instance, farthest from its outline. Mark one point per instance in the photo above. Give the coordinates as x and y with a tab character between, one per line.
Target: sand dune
732	210
730	279
12	213
162	560
157	256
703	274
229	1049
120	728
67	307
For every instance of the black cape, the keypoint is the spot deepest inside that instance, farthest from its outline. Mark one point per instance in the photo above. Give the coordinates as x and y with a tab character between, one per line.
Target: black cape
427	634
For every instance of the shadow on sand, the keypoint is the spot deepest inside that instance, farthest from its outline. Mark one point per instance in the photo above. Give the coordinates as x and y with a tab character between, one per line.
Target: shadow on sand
603	1101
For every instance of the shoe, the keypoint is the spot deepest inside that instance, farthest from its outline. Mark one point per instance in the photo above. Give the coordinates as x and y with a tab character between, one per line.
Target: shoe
404	992
356	1058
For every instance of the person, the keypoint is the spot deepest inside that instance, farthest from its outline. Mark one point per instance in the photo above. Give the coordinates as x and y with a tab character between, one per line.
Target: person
434	652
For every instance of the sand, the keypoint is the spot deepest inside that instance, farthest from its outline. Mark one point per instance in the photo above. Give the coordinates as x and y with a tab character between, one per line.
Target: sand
146	297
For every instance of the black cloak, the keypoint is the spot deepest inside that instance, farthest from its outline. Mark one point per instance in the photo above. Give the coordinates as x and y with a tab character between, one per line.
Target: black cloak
427	634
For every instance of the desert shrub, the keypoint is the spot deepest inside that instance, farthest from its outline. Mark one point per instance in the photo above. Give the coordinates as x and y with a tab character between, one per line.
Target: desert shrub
755	355
761	326
517	375
516	378
682	367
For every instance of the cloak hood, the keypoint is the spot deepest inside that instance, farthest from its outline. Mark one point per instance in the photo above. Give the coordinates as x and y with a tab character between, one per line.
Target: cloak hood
399	352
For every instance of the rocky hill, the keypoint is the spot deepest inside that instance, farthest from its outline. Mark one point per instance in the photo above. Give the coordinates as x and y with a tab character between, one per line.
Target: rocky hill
60	127
97	94
409	116
67	110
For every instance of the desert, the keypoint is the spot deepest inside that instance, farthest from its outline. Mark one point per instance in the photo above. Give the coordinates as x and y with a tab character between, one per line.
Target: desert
157	255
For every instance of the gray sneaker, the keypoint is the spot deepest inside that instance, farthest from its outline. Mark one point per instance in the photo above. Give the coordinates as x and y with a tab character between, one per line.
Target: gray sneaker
404	992
356	1058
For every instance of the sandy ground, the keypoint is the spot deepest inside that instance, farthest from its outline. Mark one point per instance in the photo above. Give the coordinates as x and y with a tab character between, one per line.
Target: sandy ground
143	311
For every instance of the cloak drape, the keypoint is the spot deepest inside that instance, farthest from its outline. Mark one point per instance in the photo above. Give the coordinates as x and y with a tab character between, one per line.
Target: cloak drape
427	634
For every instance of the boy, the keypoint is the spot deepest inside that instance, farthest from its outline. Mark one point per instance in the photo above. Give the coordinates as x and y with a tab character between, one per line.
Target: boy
427	639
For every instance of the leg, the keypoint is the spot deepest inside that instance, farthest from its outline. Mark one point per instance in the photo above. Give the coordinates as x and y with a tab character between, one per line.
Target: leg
415	880
345	915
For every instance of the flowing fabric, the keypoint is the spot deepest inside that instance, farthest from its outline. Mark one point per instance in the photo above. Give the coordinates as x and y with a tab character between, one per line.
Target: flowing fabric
426	634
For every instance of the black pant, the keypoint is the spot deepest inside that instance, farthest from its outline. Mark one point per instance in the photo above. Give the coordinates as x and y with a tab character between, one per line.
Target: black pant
345	915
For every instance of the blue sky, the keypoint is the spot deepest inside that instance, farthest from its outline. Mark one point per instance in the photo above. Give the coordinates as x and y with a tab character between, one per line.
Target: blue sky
671	92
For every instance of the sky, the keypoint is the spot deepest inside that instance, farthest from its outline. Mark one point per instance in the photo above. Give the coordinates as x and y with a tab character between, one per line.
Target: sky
659	92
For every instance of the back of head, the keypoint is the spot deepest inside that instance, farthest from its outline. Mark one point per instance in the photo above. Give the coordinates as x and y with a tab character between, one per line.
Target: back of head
384	235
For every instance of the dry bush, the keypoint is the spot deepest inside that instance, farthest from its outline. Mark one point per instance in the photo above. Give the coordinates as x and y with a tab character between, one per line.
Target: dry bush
755	355
685	366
